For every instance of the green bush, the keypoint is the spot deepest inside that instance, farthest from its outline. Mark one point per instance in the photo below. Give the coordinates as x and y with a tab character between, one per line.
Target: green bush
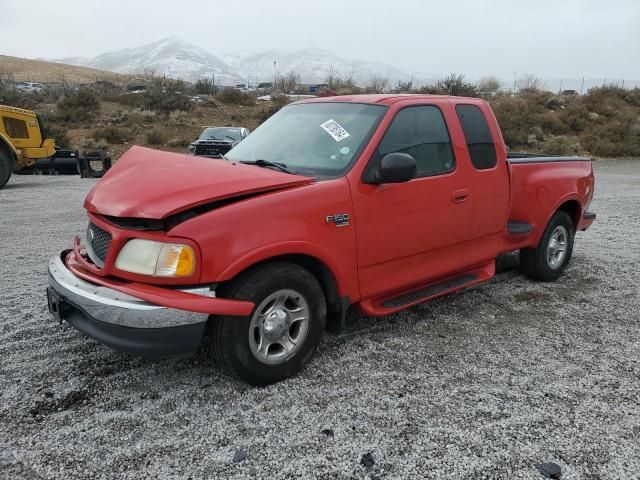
205	86
453	84
165	101
78	106
158	99
232	96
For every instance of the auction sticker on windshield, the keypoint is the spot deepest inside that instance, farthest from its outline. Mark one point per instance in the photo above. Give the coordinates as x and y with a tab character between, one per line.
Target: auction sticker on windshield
334	129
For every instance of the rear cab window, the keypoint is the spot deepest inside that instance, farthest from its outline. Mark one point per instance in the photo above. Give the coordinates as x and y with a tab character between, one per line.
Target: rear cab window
482	149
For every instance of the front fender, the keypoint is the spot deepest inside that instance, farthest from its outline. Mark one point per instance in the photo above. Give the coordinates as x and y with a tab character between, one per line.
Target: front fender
292	248
287	222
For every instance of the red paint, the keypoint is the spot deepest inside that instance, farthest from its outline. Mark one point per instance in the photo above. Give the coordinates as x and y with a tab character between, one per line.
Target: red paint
147	183
401	236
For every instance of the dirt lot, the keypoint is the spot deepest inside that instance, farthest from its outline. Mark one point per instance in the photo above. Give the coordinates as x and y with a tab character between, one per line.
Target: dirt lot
485	384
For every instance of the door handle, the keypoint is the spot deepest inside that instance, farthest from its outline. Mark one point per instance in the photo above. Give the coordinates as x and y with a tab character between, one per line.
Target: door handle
461	195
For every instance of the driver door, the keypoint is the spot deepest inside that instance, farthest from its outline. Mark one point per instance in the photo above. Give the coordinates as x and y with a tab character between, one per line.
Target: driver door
410	233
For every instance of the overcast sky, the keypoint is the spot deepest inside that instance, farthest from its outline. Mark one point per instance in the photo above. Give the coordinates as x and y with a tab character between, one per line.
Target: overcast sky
549	38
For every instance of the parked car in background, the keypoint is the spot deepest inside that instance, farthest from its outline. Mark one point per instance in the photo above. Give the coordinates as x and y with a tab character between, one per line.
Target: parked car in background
214	142
29	87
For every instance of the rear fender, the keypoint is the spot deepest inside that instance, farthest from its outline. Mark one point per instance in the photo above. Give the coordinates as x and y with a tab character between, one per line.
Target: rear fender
567	198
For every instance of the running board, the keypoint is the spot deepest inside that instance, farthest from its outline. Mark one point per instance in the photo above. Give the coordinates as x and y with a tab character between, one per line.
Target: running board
391	304
405	299
515	227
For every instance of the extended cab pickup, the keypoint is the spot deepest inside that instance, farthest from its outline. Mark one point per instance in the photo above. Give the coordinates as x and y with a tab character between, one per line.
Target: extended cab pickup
379	202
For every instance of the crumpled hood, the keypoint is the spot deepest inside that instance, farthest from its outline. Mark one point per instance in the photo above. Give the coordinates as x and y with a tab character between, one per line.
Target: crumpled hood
148	183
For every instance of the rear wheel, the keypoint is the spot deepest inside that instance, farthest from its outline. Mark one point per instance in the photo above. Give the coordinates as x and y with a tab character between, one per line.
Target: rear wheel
283	331
548	260
5	168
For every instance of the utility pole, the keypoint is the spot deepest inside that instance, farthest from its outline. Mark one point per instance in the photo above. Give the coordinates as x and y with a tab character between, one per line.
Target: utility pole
515	74
273	89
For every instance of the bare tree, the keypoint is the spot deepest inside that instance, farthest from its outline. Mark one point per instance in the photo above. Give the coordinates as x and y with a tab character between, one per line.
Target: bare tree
530	83
287	83
488	85
378	83
405	87
332	79
150	71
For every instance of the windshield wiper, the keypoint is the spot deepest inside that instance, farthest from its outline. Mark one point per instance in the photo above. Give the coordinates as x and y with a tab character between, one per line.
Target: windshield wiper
266	163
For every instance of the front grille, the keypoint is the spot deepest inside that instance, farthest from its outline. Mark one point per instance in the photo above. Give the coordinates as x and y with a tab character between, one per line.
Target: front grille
212	149
98	242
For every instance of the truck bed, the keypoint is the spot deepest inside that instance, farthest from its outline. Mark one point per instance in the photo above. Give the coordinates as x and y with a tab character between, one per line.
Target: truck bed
540	184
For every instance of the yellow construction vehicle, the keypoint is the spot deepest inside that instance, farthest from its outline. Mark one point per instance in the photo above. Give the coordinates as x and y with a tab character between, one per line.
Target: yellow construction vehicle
25	149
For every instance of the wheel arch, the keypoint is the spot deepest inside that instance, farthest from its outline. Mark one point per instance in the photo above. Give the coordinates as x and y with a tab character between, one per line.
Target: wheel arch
570	204
7	146
328	273
574	209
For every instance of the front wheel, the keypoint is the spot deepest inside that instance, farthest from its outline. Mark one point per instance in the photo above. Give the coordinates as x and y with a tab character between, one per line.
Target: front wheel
283	331
548	260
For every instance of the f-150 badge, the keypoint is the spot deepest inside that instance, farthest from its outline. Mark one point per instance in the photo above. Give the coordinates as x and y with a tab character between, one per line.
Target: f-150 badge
340	219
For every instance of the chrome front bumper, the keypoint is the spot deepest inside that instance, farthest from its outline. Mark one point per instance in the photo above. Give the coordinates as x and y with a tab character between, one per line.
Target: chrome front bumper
110	306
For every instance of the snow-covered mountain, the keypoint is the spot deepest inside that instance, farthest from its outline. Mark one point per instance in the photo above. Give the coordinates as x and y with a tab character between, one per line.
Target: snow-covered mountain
177	58
172	57
311	64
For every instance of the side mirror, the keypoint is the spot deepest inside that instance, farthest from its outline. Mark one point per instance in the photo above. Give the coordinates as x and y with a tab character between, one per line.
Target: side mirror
396	168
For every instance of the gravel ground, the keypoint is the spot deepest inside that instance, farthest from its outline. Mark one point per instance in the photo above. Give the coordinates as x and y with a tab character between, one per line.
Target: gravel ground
484	384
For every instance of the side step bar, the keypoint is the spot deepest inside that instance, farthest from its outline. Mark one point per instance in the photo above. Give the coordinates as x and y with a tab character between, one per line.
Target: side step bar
411	297
378	307
515	227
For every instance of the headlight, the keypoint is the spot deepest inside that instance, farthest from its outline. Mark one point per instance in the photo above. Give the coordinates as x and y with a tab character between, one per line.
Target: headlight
158	259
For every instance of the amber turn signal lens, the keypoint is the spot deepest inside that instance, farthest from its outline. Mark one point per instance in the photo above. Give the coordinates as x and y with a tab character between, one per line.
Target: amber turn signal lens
175	261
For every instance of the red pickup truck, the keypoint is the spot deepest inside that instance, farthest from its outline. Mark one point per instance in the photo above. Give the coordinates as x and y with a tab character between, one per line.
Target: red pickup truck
376	201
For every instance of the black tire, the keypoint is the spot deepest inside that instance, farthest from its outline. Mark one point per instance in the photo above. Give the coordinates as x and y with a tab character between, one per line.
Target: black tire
535	263
5	168
230	336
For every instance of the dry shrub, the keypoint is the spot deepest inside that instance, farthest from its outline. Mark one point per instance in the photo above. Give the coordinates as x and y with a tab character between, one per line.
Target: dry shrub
155	137
179	118
81	105
112	135
178	142
233	96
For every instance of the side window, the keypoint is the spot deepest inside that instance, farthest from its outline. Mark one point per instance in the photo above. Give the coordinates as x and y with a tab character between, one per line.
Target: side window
15	128
422	133
482	150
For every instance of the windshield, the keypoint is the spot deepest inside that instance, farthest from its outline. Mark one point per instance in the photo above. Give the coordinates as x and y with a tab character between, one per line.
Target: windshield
220	133
315	139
